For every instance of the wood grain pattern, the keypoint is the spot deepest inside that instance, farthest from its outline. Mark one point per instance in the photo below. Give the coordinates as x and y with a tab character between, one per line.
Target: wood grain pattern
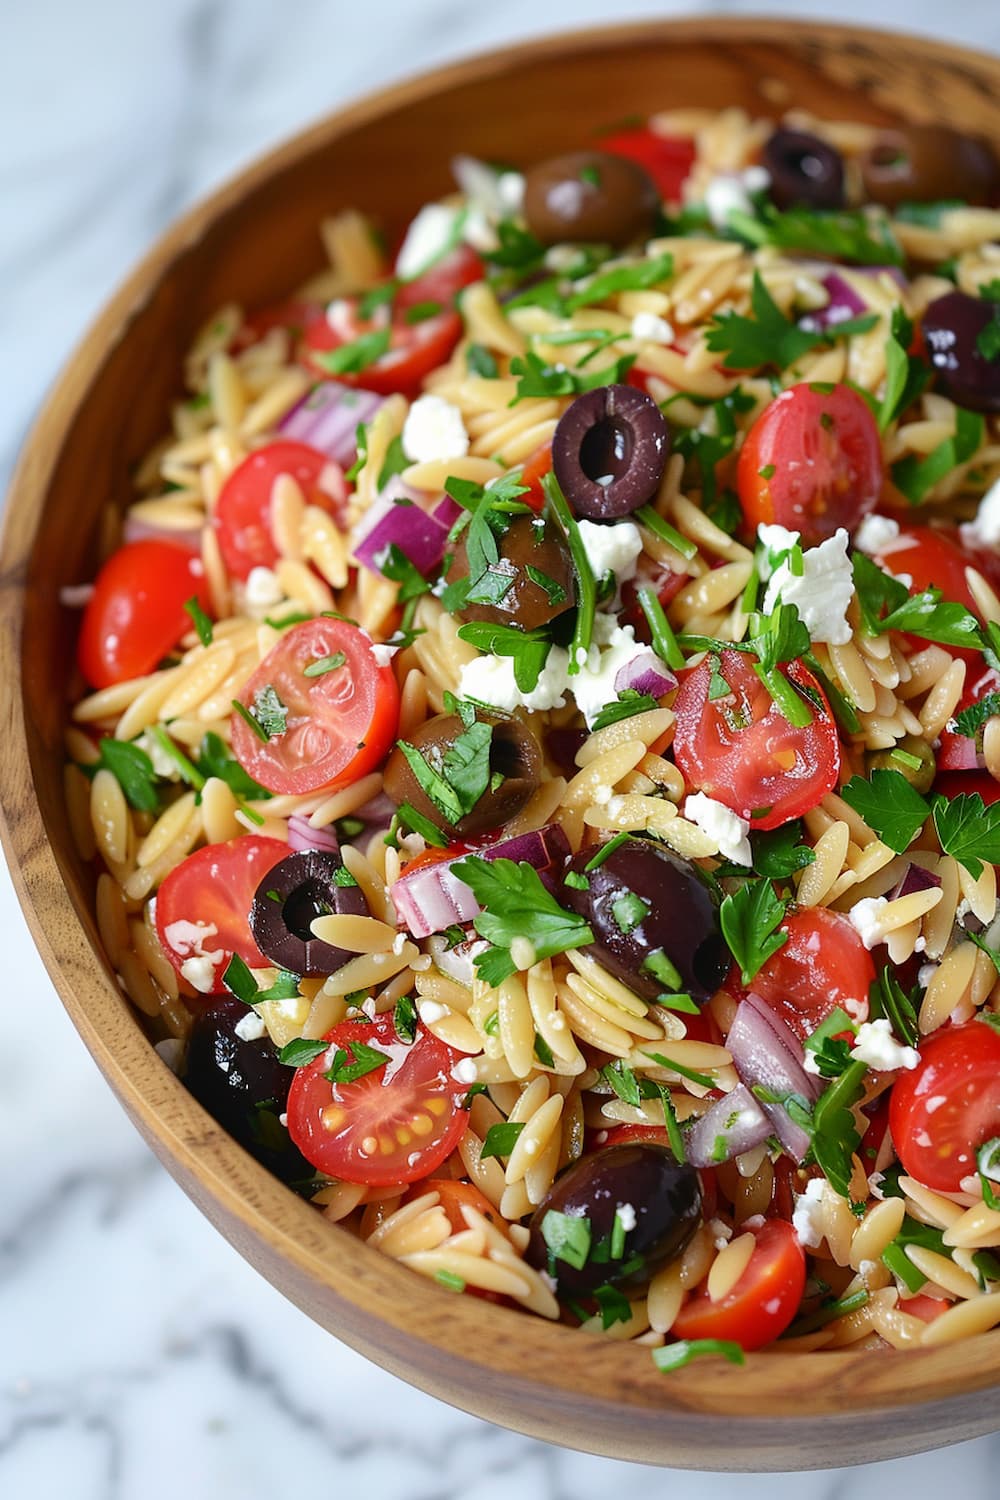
252	241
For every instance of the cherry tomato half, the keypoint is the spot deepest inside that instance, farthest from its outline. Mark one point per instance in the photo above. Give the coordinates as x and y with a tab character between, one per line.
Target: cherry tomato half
203	906
935	556
764	1300
959	752
242	514
394	1124
534	471
942	1111
812	461
822	965
136	614
742	751
341	709
668	159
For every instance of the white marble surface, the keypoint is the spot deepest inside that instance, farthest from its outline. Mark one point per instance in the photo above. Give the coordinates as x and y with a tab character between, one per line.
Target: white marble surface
139	1356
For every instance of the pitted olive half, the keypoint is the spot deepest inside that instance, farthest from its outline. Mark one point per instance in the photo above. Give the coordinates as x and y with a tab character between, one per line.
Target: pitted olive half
928	163
532	598
290	898
609	452
515	766
804	170
958	332
590	197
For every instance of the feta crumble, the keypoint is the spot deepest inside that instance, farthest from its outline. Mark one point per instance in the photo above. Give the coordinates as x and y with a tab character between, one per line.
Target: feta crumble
821	592
383	654
875	534
864	917
613	548
490	679
984	528
433	231
730	193
877	1048
625	1213
434	431
719	822
647	325
163	764
199	972
263	590
250	1028
431	1011
807	1215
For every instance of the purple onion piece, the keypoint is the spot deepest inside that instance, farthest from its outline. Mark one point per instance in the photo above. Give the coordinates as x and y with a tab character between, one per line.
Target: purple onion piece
767	1054
433	897
916	879
734	1124
143	531
395	520
302	836
328	419
645	673
844	301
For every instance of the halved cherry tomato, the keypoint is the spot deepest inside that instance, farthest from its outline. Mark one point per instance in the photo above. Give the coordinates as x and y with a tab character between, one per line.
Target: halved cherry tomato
812	461
923	1307
742	751
242	514
668	159
764	1300
136	614
203	906
958	752
935	556
534	471
394	1124
443	280
292	316
942	1111
340	721
822	965
649	575
456	1195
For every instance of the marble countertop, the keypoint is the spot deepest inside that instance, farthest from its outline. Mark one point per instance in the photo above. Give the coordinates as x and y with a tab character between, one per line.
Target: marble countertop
139	1355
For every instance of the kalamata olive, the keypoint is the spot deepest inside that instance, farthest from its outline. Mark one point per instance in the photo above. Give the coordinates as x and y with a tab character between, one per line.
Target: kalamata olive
656	1198
290	898
589	196
928	163
803	170
650	915
955	328
533	598
920	776
243	1085
609	451
515	755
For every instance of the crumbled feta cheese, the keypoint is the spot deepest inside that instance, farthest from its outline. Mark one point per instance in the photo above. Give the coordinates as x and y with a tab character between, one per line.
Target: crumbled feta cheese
864	917
756	179
776	541
807	1215
646	325
875	534
431	1011
821	592
561	257
925	974
250	1028
383	654
263	589
611	548
625	1214
434	431
726	194
199	972
399	943
984	528
490	679
877	1048
594	686
720	1232
435	228
340	316
719	822
810	1064
163	764
188	937
465	1070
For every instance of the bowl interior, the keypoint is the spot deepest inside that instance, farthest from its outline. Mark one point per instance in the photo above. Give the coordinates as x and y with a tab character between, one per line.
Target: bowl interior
253	241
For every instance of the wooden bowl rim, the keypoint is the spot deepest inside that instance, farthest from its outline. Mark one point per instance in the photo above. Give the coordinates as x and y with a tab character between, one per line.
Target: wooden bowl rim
489	1342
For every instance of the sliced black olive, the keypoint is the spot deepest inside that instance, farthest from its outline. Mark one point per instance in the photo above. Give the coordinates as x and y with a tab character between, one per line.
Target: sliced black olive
530	585
804	170
515	763
653	919
927	164
609	451
590	197
920	776
962	335
655	1197
244	1086
290	898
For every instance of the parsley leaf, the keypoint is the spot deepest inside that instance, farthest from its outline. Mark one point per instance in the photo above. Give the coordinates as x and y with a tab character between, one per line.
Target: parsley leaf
631	278
628	703
890	805
835	1135
968	830
969	721
456	779
501	1139
614	1305
479	361
364	1060
394	463
749	919
214	760
887	1000
202	624
516	905
778	853
529	649
830	1052
708	444
670	1357
324	664
405	1018
842	235
906	375
357	355
133	770
269	711
768	338
567	1237
923	614
988	339
916	477
395	565
301	1050
536	378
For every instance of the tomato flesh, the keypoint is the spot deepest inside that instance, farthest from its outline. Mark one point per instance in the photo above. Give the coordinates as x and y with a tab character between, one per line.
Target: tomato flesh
135	615
742	751
667	159
958	752
822	965
764	1300
213	889
340	723
812	461
394	1124
942	1111
243	513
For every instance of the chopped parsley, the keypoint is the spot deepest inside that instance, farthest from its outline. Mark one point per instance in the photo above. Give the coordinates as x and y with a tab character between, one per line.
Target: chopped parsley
843	235
968	830
750	919
536	378
516	905
324	664
675	1356
768	338
479	361
132	769
628	703
357	355
501	1139
890	805
887	1000
301	1050
355	1061
405	1018
528	649
567	1238
202	624
916	477
969	721
455	779
632	278
708	444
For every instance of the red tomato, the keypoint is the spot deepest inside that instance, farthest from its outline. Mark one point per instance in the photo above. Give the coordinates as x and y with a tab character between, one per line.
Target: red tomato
923	1307
935	556
441	282
395	1124
942	1111
649	575
340	723
957	752
812	461
136	613
534	471
242	515
292	315
456	1195
213	890
764	1300
667	159
742	751
954	783
823	965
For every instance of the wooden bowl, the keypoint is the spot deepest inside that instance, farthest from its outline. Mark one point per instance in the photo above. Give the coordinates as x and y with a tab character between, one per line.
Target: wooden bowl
252	241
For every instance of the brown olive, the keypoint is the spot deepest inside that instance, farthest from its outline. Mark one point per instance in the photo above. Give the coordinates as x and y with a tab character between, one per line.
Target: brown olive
515	758
921	776
609	452
312	883
926	163
590	196
532	599
803	170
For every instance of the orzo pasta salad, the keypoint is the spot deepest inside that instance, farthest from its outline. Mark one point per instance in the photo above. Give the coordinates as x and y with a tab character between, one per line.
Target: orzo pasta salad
542	748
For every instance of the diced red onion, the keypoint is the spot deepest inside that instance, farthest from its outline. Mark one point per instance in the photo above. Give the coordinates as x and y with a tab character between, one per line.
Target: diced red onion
767	1054
433	897
844	301
135	530
645	673
396	520
916	879
734	1124
378	813
328	419
302	835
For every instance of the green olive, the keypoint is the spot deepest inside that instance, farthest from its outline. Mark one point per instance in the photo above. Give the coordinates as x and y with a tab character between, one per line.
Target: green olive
531	583
910	747
515	773
590	197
